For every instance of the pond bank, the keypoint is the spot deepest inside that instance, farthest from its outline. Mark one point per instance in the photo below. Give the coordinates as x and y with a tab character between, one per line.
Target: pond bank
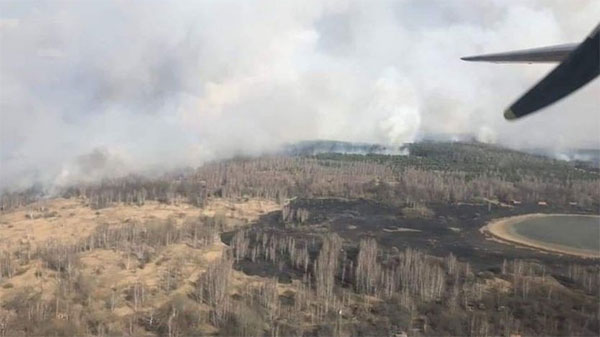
503	230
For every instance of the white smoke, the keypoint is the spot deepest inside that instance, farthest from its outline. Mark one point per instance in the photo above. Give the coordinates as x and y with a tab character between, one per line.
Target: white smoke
486	135
167	84
395	109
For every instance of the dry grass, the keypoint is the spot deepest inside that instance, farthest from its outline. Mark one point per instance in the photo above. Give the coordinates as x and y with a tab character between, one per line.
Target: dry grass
69	220
113	272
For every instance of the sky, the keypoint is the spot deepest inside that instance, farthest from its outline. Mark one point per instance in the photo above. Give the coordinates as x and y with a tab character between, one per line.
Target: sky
92	89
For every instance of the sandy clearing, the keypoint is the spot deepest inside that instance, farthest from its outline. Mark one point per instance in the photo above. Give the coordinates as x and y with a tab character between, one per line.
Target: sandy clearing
246	210
400	229
499	230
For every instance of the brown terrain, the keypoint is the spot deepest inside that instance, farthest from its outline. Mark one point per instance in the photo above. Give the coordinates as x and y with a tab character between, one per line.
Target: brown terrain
329	245
110	272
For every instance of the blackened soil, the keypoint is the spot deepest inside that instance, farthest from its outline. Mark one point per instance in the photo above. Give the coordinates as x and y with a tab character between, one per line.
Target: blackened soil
454	228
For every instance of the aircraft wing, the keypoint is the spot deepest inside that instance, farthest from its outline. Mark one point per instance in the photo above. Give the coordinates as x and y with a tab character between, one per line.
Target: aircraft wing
536	55
580	63
580	67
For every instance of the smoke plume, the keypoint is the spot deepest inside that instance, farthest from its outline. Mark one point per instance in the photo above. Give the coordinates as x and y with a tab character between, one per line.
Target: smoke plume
90	89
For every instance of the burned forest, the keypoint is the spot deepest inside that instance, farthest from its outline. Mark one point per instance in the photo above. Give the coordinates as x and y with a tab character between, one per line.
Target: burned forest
302	244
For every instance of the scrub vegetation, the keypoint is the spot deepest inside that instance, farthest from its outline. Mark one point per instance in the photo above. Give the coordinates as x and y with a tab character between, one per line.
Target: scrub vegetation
293	245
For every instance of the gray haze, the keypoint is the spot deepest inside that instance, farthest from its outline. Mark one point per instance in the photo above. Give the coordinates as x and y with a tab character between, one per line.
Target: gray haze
96	88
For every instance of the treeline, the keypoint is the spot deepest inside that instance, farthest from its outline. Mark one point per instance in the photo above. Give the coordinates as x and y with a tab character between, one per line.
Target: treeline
15	199
279	178
478	158
433	172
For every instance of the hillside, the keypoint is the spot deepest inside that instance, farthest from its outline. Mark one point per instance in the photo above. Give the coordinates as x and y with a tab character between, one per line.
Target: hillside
301	245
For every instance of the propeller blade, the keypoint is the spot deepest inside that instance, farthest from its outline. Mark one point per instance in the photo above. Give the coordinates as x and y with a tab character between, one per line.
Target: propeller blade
580	67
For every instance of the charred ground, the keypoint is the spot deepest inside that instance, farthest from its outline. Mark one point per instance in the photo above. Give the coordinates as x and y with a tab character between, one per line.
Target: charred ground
326	244
438	229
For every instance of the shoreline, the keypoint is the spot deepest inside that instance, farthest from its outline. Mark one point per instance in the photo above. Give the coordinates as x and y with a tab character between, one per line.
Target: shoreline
501	230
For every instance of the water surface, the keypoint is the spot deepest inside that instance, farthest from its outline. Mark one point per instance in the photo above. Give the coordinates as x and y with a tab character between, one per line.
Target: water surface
570	231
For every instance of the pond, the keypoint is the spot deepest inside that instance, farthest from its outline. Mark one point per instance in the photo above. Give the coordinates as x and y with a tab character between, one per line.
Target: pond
561	233
579	232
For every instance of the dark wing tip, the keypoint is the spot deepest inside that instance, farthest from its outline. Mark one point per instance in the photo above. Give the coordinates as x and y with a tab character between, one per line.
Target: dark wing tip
509	115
